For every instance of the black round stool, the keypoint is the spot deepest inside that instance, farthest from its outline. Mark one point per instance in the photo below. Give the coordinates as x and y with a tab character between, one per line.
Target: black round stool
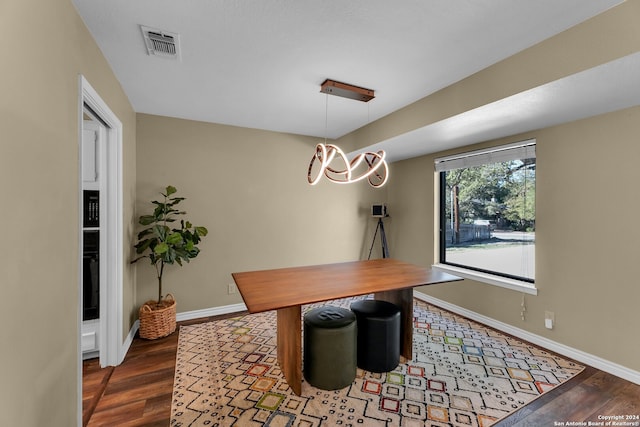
330	347
378	335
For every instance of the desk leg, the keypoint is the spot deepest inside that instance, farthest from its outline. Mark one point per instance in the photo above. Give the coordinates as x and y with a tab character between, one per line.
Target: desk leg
403	298
289	334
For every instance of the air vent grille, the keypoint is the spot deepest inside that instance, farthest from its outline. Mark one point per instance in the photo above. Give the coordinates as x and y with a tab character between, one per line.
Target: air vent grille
161	43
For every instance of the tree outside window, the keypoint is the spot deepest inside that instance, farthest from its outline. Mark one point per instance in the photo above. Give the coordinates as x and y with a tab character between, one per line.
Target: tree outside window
488	217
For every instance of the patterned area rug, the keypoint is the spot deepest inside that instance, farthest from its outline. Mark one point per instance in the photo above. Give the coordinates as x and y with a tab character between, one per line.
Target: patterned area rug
462	374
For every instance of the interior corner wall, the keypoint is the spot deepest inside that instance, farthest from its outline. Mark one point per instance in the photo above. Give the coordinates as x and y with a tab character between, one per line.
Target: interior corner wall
249	188
39	169
586	238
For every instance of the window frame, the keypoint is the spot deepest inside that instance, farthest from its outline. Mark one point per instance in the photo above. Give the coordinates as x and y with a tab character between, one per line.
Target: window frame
504	280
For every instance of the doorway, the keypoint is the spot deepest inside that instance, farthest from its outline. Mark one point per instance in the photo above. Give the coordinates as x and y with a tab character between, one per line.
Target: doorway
100	314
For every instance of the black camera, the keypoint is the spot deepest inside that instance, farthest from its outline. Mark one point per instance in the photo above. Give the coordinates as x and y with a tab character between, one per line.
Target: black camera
379	211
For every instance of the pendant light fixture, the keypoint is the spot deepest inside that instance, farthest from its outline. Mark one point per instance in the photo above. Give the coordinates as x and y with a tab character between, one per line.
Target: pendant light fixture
332	162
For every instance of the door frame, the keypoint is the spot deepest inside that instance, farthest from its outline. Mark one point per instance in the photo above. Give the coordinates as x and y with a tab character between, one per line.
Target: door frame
111	309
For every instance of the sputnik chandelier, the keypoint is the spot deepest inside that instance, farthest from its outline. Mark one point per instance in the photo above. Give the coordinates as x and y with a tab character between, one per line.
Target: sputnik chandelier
332	162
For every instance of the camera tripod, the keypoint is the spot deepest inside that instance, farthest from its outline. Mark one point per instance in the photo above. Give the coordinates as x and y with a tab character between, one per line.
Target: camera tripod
383	238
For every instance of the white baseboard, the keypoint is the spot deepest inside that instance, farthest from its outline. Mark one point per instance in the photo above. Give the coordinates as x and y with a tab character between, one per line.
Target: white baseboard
214	311
128	341
578	355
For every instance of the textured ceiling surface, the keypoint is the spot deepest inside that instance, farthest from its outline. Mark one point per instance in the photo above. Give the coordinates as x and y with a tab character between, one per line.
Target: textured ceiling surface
259	63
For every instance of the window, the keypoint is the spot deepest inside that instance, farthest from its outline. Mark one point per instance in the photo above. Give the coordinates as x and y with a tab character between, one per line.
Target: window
487	211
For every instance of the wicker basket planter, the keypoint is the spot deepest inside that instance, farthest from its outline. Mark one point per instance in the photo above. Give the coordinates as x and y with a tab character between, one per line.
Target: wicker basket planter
158	322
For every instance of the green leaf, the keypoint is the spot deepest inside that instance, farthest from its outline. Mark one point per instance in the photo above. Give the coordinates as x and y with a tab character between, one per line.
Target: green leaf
144	233
174	239
143	245
170	190
161	248
147	219
170	256
161	231
202	231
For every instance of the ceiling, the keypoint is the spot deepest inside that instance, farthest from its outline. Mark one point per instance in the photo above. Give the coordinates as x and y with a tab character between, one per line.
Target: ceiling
259	63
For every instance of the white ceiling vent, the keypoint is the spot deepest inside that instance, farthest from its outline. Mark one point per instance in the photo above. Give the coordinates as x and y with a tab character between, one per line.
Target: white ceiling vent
161	43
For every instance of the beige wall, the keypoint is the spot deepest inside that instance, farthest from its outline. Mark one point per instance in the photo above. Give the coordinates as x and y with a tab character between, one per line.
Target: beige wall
45	47
249	188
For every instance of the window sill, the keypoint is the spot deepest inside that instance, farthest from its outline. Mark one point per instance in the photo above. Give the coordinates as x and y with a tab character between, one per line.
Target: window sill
503	282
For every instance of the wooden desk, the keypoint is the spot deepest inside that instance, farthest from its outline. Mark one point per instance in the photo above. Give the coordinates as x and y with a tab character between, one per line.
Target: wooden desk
287	289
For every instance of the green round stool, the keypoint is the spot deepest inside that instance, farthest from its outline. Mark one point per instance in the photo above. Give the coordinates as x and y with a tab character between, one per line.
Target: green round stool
330	336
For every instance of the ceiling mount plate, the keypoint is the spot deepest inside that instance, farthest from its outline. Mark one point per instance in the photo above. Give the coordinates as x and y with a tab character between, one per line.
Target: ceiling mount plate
345	90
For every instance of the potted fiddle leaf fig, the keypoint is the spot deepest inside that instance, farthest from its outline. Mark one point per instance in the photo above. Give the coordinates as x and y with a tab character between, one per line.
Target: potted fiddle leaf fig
165	242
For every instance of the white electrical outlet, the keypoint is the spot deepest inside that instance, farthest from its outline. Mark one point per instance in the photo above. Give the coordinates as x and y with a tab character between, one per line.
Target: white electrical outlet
232	289
549	319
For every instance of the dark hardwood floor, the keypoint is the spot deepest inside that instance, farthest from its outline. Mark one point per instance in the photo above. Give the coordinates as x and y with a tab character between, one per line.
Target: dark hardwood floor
586	397
94	382
138	392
